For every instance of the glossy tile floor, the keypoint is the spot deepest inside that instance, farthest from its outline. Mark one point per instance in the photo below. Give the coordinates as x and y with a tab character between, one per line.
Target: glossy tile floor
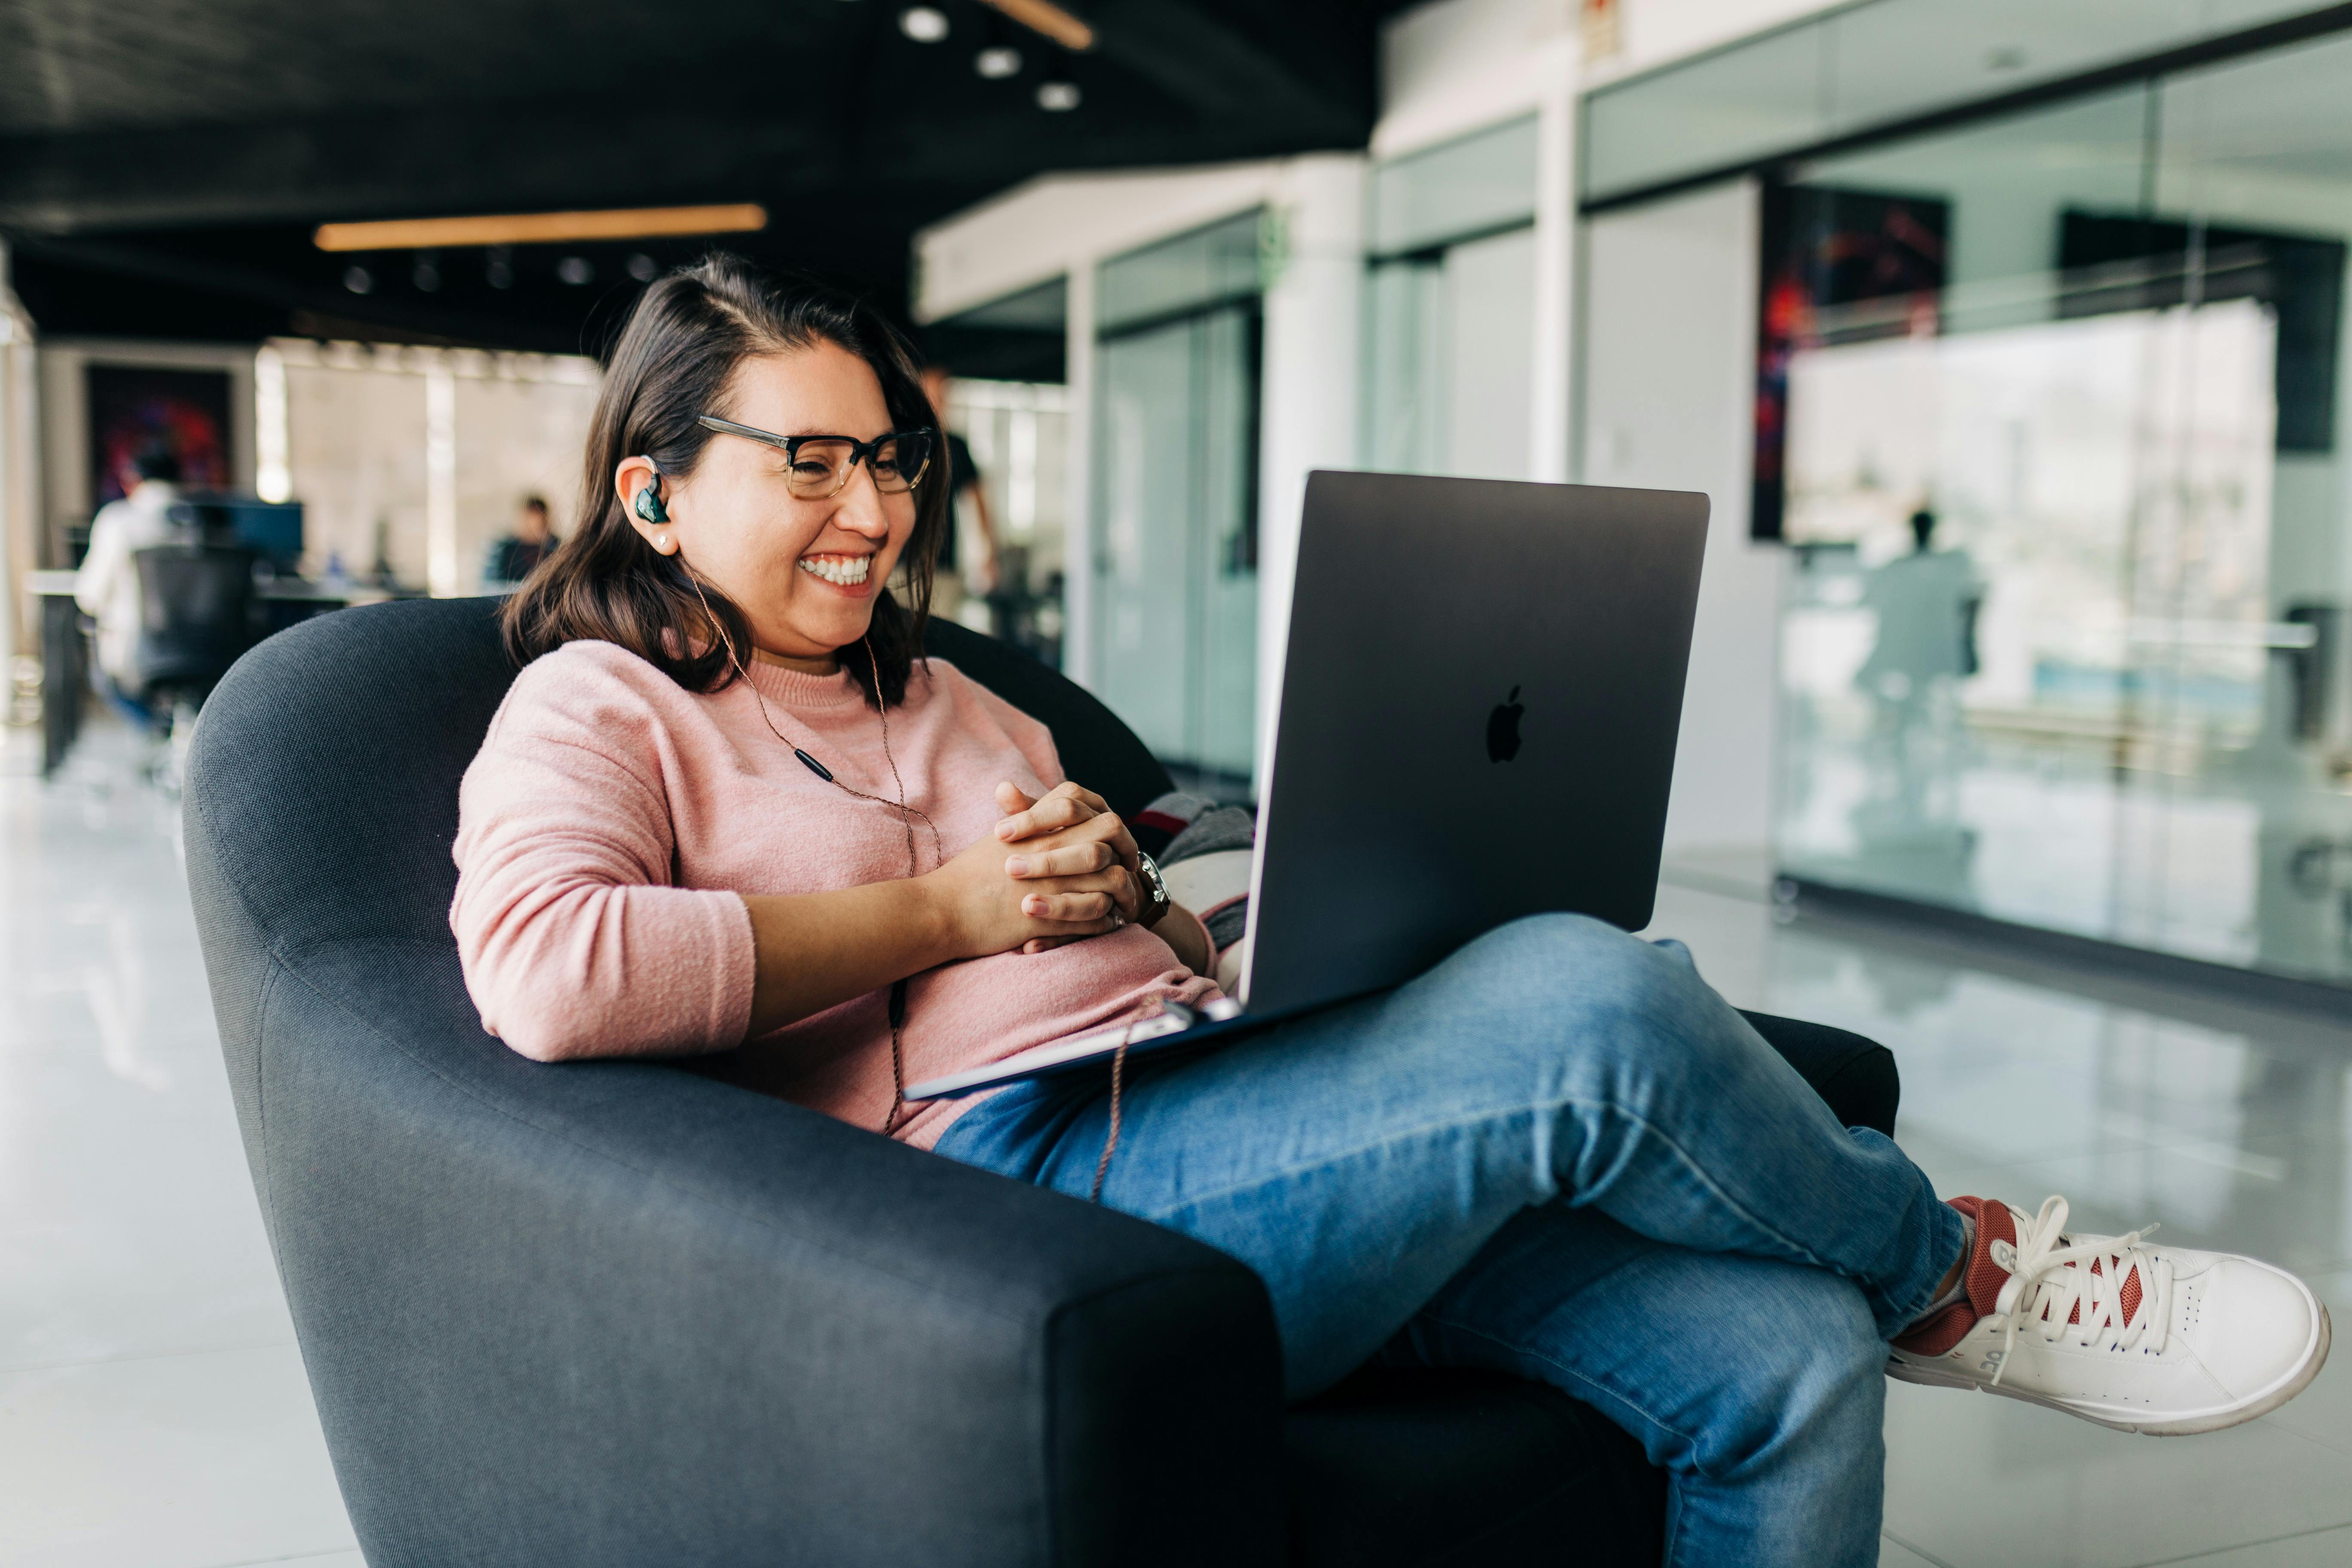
153	1413
2245	865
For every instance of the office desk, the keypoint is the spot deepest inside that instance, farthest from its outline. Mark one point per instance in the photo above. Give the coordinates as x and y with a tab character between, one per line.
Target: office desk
65	645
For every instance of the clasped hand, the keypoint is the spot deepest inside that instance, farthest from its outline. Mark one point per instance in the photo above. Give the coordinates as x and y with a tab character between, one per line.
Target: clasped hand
1058	869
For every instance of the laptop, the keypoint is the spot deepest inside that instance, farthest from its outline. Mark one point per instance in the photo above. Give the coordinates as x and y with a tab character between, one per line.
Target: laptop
1480	702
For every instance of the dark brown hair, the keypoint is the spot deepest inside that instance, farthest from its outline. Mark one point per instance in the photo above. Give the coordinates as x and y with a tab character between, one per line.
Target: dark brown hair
674	362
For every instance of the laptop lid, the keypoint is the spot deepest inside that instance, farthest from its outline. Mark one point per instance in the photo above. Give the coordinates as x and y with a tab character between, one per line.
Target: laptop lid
1479	708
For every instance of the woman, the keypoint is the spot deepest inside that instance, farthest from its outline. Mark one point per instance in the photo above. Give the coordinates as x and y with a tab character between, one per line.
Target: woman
726	809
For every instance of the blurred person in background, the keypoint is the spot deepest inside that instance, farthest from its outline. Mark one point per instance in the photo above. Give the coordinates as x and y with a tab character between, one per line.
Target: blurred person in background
1926	603
515	556
969	494
107	587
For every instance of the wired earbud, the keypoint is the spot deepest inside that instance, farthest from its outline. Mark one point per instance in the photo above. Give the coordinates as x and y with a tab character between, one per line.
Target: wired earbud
648	504
650	510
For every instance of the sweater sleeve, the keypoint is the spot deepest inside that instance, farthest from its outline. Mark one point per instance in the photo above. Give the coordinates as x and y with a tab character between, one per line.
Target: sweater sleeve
574	942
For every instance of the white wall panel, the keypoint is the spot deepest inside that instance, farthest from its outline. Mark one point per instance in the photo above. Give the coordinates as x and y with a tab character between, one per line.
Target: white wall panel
1669	324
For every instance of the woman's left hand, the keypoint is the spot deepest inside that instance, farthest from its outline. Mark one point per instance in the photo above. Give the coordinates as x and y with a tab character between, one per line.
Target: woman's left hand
1076	850
1083	861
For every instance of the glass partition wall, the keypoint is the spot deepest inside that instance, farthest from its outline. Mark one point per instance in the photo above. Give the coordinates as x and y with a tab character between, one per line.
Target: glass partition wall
1448	356
2064	475
1175	481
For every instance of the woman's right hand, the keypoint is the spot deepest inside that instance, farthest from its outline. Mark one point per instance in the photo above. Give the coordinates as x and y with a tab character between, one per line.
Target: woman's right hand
816	951
988	910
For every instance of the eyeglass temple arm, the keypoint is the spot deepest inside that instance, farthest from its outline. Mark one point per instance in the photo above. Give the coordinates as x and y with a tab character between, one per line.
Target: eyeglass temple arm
783	444
788	444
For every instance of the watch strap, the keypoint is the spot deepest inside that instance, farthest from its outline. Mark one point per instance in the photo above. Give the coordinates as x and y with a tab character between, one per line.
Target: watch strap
1154	903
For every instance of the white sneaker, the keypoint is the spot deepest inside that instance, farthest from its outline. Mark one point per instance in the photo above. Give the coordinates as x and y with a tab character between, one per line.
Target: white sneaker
2188	1341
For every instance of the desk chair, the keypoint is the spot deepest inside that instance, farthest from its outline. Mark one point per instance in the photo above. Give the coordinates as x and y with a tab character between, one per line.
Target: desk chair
617	1313
195	619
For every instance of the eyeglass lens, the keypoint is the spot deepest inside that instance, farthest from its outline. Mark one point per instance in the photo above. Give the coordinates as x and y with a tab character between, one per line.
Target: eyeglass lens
821	468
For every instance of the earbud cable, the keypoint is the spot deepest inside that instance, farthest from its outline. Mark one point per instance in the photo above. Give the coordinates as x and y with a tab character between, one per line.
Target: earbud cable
907	814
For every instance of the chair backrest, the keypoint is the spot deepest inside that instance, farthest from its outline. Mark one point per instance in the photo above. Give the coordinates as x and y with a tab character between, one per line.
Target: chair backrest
195	608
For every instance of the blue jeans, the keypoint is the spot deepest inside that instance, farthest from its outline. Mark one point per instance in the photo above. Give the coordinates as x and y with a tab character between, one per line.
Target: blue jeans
1560	1154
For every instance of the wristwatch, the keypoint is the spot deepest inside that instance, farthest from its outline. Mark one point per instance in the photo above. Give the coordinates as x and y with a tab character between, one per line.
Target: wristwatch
1153	901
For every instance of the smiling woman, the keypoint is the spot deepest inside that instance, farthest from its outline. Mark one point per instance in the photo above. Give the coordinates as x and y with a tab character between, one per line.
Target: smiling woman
718	813
716	349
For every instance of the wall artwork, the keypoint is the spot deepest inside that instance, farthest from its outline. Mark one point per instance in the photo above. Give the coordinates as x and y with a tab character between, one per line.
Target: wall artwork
1837	267
135	409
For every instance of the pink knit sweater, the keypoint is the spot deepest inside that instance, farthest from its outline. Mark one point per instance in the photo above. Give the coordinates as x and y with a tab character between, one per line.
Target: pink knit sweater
613	819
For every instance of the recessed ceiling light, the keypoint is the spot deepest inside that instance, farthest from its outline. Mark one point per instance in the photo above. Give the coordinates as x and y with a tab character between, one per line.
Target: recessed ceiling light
924	23
575	269
1057	97
642	267
998	63
359	280
427	277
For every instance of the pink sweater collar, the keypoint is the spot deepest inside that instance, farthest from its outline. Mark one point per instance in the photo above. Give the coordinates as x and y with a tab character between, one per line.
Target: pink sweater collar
805	693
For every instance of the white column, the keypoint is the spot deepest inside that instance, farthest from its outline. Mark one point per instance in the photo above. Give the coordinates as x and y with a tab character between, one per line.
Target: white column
13	560
1548	402
1670	356
440	478
20	477
272	444
1308	393
1078	538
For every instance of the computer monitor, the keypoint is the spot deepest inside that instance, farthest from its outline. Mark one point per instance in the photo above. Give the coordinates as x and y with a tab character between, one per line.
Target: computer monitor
271	529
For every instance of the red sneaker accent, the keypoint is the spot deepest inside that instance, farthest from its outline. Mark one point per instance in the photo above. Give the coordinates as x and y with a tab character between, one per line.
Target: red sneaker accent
1940	1332
2129	1295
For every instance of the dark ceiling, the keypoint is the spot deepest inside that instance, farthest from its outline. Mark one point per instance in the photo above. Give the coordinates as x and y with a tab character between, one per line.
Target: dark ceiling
162	161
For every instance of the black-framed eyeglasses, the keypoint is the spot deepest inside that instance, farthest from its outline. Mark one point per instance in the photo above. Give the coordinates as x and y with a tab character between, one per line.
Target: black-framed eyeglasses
818	468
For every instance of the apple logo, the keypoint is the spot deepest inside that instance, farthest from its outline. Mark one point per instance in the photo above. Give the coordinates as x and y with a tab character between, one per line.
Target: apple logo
1503	728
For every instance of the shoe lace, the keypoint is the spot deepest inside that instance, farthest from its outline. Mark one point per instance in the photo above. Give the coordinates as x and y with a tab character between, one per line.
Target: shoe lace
2075	1289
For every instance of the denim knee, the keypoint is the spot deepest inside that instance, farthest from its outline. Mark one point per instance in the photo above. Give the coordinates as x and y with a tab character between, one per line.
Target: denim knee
1812	1385
1555	979
1564	959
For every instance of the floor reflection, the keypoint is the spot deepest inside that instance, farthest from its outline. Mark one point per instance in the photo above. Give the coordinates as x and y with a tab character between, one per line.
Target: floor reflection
153	1412
2226	1125
2112	811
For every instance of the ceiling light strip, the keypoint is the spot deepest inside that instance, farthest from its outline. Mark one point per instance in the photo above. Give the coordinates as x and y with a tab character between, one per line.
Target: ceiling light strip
540	228
1043	16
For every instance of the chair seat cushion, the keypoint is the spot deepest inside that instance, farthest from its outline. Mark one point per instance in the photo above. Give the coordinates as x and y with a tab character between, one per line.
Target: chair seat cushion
1399	1467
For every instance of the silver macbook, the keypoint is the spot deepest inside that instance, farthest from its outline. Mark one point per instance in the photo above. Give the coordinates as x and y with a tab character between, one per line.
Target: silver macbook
1479	706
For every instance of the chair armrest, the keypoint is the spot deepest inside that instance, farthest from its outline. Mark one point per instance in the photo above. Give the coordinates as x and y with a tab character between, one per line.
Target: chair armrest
1853	1073
615	1312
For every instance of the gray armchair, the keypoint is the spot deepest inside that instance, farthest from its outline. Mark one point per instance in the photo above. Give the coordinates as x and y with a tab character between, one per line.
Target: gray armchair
621	1313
